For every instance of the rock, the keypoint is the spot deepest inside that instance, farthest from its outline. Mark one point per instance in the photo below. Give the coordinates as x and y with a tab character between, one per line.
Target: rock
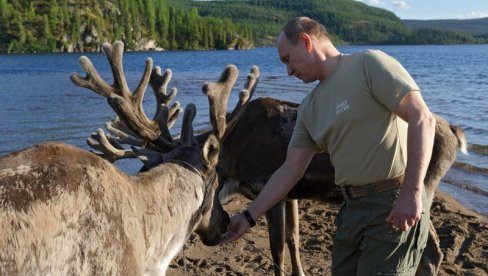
146	44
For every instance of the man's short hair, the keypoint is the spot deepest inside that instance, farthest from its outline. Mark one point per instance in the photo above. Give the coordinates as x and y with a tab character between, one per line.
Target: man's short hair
306	25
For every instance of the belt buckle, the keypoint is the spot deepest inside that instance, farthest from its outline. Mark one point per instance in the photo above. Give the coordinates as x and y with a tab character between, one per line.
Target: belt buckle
371	189
346	192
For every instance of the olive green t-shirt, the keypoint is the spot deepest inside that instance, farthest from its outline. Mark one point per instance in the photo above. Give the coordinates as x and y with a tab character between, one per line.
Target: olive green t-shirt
350	116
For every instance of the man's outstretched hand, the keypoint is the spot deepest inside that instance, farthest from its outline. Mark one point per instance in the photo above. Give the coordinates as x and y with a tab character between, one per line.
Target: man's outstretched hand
238	225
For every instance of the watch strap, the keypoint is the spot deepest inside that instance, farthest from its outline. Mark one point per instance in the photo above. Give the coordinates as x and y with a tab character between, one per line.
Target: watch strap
249	218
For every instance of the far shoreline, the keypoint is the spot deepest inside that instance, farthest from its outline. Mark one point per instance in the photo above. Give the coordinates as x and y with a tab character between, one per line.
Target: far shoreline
339	45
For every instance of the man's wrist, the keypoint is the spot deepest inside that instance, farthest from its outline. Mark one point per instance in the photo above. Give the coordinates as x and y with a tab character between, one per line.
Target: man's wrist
413	187
249	218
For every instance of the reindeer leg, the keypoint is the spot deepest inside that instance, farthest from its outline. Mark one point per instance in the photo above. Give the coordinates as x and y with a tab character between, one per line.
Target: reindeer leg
292	236
276	226
432	256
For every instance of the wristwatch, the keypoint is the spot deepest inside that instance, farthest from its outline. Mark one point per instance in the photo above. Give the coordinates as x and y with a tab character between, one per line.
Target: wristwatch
249	218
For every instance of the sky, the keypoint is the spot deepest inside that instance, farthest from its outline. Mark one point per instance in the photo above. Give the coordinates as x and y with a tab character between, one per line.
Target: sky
433	9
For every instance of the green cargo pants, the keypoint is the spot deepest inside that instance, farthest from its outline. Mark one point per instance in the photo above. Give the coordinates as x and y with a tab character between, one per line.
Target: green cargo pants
365	244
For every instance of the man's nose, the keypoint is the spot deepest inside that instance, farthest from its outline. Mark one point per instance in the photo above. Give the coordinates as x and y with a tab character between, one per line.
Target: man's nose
290	71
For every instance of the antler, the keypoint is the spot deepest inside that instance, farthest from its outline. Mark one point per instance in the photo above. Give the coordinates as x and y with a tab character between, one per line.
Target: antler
110	147
133	127
218	94
151	158
159	84
244	97
151	137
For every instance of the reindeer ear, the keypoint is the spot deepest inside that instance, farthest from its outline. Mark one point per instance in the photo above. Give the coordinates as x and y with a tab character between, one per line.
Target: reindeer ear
210	151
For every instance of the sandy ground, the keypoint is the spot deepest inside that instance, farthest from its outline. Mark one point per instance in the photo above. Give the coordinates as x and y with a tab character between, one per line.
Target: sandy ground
463	236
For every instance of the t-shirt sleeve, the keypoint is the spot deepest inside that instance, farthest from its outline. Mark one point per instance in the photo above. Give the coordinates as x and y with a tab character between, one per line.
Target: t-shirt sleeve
301	137
388	81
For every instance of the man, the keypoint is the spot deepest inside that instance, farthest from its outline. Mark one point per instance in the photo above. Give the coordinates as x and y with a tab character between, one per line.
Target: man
368	114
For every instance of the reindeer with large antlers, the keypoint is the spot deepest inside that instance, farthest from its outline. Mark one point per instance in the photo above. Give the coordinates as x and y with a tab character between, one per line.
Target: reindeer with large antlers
66	211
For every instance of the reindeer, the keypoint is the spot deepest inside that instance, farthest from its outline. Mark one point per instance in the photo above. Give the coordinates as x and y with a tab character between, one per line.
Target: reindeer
67	211
263	133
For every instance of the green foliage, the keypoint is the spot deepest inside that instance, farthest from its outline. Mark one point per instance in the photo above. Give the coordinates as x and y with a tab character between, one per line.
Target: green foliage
478	26
347	21
437	36
83	25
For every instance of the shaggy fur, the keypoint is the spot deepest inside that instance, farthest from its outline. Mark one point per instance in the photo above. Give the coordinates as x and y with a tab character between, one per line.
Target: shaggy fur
65	211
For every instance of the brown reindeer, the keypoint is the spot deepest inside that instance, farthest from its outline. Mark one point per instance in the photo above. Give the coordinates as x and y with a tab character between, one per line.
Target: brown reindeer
66	211
263	133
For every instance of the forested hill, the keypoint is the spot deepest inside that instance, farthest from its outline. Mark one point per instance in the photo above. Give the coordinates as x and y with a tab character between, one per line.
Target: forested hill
349	21
477	26
83	25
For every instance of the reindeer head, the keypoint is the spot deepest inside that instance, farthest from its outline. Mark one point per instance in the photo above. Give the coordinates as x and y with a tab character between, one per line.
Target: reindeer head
151	141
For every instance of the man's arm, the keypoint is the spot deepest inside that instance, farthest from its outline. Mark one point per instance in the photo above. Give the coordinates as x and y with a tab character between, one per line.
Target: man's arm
277	187
407	209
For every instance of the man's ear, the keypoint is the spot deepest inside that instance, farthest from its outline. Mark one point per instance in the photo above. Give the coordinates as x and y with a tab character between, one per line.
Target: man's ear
307	40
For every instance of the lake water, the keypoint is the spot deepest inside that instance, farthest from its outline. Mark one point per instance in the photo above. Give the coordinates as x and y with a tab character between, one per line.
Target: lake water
39	103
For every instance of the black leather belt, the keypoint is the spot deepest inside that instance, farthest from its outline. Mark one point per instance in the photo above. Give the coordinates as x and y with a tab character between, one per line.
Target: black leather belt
352	192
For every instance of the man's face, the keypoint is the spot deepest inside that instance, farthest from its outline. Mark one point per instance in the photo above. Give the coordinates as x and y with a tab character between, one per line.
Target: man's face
296	58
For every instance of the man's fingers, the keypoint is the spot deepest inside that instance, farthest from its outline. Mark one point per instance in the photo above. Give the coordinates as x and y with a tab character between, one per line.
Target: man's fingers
390	218
229	237
238	225
226	239
411	222
403	225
